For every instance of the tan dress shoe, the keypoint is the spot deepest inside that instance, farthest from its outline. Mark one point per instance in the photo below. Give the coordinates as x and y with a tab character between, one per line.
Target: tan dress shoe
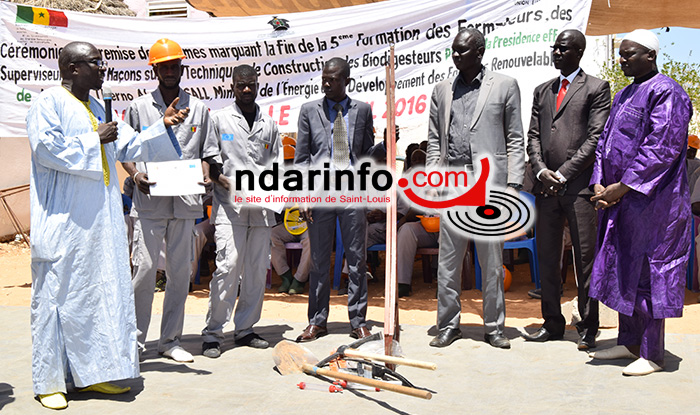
312	332
360	333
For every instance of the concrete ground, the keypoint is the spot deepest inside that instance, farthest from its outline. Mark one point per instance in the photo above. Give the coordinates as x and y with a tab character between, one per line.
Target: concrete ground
472	377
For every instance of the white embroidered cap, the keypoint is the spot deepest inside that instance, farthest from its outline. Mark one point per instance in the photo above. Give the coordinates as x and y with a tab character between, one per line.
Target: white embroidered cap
645	38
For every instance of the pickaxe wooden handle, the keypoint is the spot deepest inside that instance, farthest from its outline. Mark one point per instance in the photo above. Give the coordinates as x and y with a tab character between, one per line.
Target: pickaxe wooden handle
418	393
389	359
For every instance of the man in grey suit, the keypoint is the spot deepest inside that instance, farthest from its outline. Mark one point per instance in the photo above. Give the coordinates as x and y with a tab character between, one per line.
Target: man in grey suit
338	130
473	115
568	115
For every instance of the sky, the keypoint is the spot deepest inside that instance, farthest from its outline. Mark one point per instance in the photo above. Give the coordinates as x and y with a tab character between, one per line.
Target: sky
678	43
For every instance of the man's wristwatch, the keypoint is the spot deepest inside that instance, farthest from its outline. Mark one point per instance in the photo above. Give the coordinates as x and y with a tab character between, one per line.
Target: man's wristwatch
516	186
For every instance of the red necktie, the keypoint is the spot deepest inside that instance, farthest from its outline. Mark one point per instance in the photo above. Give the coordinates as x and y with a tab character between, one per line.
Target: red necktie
562	92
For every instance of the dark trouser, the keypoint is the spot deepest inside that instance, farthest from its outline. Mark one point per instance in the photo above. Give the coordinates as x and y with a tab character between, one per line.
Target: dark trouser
453	247
353	222
552	211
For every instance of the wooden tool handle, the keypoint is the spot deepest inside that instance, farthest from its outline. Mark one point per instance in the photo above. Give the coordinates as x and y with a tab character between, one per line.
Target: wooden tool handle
365	381
389	359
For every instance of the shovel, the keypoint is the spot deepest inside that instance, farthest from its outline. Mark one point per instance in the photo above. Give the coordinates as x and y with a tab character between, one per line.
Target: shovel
293	358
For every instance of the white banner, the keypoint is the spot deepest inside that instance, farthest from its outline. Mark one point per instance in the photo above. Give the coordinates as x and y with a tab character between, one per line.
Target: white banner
519	34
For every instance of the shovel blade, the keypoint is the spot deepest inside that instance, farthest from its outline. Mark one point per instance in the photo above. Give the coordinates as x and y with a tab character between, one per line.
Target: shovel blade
289	357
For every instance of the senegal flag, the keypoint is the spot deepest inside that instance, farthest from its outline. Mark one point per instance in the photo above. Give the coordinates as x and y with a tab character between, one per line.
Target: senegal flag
37	15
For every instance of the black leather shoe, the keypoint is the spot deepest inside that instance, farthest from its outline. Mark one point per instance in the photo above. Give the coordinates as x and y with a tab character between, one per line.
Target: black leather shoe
211	349
542	335
446	337
497	340
253	340
586	343
404	290
535	293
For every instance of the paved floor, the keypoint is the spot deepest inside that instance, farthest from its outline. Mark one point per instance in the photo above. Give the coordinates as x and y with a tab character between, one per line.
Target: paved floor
472	377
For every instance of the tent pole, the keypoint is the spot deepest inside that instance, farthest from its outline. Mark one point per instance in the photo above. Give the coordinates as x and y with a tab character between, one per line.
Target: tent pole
13	218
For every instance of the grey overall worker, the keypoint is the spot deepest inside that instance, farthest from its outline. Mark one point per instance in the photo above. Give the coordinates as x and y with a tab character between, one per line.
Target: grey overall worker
249	141
167	217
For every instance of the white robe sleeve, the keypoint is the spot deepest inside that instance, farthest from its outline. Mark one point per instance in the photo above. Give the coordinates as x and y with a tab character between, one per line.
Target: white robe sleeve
157	143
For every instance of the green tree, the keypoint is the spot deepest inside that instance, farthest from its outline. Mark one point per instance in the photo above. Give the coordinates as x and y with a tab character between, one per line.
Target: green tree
686	74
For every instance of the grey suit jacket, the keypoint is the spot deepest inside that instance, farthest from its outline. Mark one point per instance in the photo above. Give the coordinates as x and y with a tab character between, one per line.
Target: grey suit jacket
314	139
496	127
566	140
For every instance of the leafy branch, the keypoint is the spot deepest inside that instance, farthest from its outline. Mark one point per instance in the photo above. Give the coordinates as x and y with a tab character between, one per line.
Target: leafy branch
686	74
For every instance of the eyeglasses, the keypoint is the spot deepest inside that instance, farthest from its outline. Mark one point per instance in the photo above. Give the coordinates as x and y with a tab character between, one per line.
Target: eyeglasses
97	62
456	53
561	48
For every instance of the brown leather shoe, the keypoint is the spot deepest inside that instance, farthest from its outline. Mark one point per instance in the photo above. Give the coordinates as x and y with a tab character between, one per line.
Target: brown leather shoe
360	333
312	332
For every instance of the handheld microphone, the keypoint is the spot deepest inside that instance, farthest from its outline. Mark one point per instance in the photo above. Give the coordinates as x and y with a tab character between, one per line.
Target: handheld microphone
107	96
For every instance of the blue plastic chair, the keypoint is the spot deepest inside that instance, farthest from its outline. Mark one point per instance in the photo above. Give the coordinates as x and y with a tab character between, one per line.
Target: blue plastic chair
340	251
529	244
293	253
374	248
377	247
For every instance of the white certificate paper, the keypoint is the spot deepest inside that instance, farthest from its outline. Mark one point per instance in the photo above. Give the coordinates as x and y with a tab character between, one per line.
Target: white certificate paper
176	178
